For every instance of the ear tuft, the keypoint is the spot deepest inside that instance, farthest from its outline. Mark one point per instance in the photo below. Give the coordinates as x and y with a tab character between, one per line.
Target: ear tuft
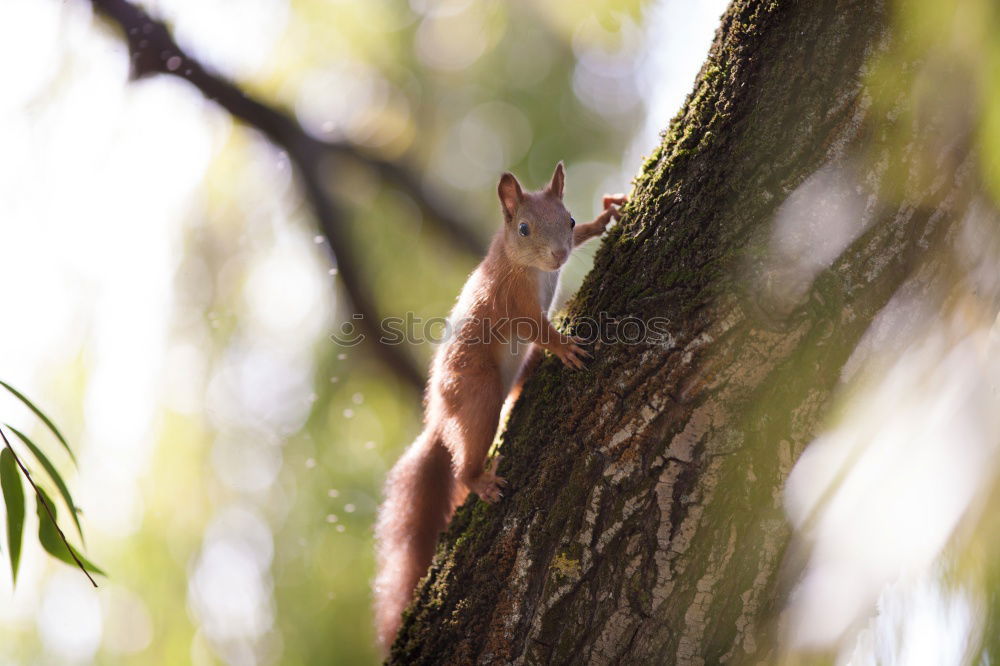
558	181
511	195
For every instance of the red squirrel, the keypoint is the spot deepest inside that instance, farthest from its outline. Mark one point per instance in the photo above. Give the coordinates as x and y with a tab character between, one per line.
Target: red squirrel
499	327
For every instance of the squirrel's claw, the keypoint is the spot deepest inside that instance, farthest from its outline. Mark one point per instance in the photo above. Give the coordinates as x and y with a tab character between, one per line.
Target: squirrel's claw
490	491
572	355
614	199
613	205
488	485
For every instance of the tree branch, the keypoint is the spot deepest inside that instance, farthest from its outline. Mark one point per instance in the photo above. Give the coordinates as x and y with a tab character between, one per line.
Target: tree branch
153	51
428	201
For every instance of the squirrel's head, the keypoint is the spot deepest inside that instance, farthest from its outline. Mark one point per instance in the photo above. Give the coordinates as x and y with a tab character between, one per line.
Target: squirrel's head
538	230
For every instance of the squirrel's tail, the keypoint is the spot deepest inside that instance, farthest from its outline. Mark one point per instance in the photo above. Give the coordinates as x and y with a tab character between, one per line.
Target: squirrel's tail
419	500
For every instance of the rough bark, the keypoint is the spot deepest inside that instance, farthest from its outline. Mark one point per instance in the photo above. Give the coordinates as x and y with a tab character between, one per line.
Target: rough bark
643	520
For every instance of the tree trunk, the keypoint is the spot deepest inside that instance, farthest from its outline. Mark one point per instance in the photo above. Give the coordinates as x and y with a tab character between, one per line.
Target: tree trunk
643	520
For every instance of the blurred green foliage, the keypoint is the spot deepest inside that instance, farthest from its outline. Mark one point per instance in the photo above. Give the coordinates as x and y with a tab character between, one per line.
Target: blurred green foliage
287	436
15	476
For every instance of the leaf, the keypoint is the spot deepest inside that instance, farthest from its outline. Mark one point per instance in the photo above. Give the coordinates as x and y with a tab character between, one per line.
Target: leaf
54	475
52	426
13	497
52	541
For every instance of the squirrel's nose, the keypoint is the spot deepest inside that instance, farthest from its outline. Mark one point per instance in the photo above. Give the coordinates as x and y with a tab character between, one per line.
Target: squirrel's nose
559	255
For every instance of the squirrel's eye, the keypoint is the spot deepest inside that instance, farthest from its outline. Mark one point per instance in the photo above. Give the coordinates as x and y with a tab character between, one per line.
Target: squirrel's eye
523	229
572	223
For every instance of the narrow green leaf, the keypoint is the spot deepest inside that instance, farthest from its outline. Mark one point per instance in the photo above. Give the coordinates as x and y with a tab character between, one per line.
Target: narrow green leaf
54	475
52	542
13	498
40	414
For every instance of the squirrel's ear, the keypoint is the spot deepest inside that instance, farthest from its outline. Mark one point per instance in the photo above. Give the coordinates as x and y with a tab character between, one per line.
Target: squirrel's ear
510	195
558	181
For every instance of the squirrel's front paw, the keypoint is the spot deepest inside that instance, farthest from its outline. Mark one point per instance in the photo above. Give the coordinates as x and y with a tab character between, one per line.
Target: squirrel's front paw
616	200
613	207
572	354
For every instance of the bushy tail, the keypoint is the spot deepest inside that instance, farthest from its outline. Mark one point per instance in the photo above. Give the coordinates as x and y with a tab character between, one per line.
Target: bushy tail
419	501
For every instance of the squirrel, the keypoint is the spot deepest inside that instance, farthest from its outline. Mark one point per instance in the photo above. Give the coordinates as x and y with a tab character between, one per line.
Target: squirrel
499	327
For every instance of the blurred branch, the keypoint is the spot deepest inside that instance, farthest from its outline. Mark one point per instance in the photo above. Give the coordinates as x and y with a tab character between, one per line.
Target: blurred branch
427	200
153	51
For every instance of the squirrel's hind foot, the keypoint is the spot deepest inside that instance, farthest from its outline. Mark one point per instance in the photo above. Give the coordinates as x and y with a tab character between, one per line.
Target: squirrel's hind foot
488	486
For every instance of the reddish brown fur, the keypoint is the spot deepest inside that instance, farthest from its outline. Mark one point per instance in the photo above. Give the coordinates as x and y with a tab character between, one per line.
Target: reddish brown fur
468	382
